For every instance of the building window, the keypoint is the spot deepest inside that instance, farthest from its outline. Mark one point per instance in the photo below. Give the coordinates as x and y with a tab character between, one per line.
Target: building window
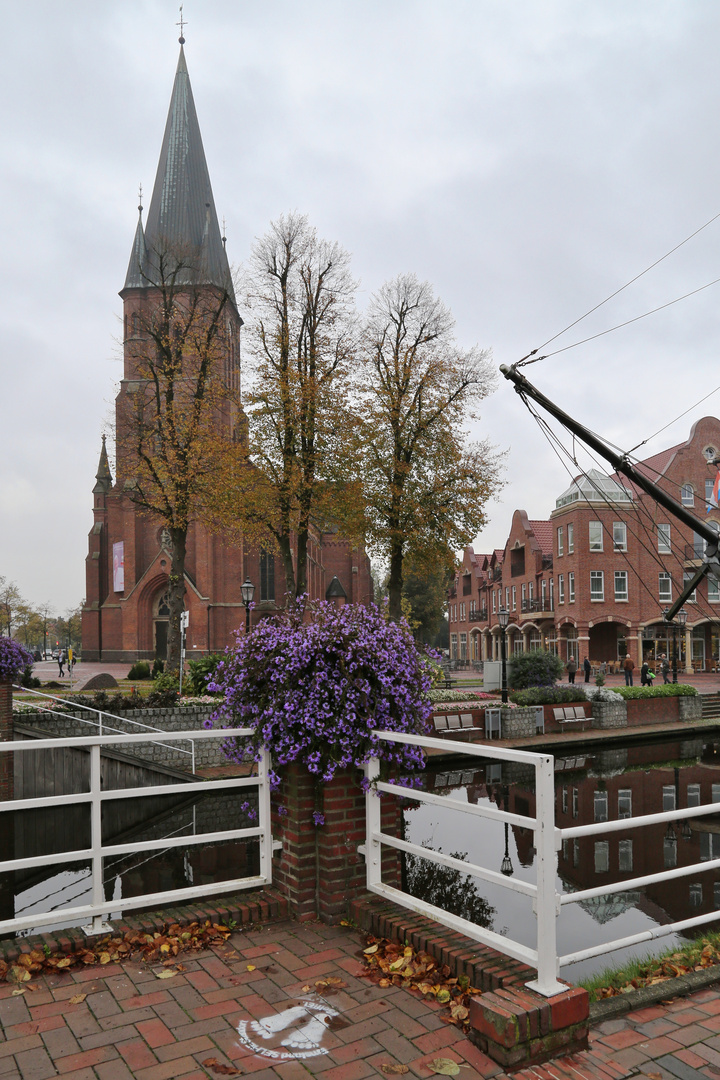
664	539
670	852
601	806
494	607
543	589
523	593
463	646
624	803
552	592
602	856
688	575
571	539
565	800
713	589
693	794
595	535
267	575
571	588
695	894
625	856
453	646
575	803
514	598
507	597
687	495
597	585
668	797
621	585
709	485
665	588
530	591
619	536
560	541
561	588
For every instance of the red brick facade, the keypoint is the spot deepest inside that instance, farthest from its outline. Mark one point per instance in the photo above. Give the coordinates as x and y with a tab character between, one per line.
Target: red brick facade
593	579
127	620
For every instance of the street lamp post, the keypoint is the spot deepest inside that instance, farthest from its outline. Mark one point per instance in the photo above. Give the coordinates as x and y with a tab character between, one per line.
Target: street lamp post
681	620
503	618
247	590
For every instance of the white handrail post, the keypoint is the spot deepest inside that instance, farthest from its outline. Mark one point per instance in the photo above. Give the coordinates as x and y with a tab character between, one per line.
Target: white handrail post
264	818
546	905
373	847
98	891
100	722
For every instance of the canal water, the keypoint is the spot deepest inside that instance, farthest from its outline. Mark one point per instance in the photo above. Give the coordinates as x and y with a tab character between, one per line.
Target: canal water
595	784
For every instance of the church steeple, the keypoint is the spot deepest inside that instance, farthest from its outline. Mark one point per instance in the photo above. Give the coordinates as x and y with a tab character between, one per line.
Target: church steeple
103	475
181	220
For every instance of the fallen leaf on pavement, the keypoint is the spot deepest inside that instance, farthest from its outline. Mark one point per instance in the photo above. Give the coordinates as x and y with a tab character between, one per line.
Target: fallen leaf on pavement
444	1066
77	999
218	1067
394	1070
19	990
166	974
251	967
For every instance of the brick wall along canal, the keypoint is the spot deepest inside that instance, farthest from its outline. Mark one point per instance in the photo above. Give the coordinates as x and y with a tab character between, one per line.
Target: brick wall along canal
596	785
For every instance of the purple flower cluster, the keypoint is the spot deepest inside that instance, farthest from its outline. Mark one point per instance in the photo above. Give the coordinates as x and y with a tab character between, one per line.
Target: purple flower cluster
314	689
14	658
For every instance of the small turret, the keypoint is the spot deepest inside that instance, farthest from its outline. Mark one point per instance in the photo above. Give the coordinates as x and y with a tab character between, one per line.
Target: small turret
103	475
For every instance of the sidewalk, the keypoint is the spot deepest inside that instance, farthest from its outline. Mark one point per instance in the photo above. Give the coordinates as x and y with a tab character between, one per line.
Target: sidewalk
253	1007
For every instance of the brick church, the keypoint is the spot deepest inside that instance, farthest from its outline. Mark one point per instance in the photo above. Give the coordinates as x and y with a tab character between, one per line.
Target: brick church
125	615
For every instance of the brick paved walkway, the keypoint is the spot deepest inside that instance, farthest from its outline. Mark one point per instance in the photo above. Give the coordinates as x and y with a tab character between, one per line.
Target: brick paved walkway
267	1024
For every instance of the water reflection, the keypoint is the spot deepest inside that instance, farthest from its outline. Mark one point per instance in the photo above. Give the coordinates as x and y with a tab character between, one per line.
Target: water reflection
603	784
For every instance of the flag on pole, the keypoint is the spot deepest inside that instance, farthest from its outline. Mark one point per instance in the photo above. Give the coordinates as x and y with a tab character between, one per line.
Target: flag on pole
714	498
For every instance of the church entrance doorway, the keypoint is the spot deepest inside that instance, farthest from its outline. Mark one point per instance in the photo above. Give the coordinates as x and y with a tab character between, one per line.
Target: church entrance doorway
161	621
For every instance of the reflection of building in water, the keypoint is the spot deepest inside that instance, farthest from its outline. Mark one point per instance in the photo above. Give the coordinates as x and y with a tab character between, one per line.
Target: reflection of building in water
657	777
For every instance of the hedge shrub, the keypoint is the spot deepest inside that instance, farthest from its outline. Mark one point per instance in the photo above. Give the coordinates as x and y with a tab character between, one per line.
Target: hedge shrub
631	693
140	670
535	668
548	695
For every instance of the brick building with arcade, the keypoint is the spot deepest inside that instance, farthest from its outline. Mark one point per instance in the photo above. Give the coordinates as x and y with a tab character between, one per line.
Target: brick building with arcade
125	615
594	578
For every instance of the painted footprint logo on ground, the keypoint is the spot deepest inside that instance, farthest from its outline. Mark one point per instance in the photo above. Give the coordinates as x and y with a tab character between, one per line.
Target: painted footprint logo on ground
296	1032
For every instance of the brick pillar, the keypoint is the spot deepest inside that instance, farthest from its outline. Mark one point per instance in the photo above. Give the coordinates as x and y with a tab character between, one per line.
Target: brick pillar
320	870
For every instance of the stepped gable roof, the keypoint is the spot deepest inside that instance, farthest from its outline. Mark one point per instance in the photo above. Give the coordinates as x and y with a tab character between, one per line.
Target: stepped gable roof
181	220
543	534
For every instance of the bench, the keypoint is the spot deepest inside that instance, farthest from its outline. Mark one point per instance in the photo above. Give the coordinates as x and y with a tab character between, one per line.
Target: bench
453	723
571	714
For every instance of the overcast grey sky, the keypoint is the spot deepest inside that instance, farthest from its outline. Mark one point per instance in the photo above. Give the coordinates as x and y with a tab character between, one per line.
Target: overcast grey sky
527	158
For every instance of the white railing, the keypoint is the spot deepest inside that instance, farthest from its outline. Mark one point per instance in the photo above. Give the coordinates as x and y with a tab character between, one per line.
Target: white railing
101	723
626	884
544	956
97	852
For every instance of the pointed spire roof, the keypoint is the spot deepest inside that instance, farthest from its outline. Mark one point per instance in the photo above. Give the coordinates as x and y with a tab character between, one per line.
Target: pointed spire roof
181	219
134	279
103	475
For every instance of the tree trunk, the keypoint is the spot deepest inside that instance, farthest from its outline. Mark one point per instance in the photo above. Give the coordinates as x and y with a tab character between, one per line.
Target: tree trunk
176	590
395	580
287	561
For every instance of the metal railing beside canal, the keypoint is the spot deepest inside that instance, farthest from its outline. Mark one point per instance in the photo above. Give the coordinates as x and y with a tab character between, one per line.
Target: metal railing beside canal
544	956
96	852
547	902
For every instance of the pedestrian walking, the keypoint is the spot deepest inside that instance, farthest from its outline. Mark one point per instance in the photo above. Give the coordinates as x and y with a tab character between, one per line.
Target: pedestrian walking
586	669
644	680
571	669
628	668
61	663
665	668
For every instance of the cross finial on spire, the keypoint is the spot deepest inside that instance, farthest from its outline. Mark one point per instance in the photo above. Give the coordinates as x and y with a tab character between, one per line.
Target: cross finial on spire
223	237
140	205
182	24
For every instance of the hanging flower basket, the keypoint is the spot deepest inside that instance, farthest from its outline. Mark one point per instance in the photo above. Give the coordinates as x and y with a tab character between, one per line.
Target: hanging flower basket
315	691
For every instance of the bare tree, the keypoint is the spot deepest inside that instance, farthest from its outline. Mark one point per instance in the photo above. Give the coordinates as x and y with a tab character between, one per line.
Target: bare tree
425	485
300	334
176	415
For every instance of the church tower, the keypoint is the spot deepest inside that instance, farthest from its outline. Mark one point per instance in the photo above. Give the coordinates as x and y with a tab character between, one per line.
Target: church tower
181	247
